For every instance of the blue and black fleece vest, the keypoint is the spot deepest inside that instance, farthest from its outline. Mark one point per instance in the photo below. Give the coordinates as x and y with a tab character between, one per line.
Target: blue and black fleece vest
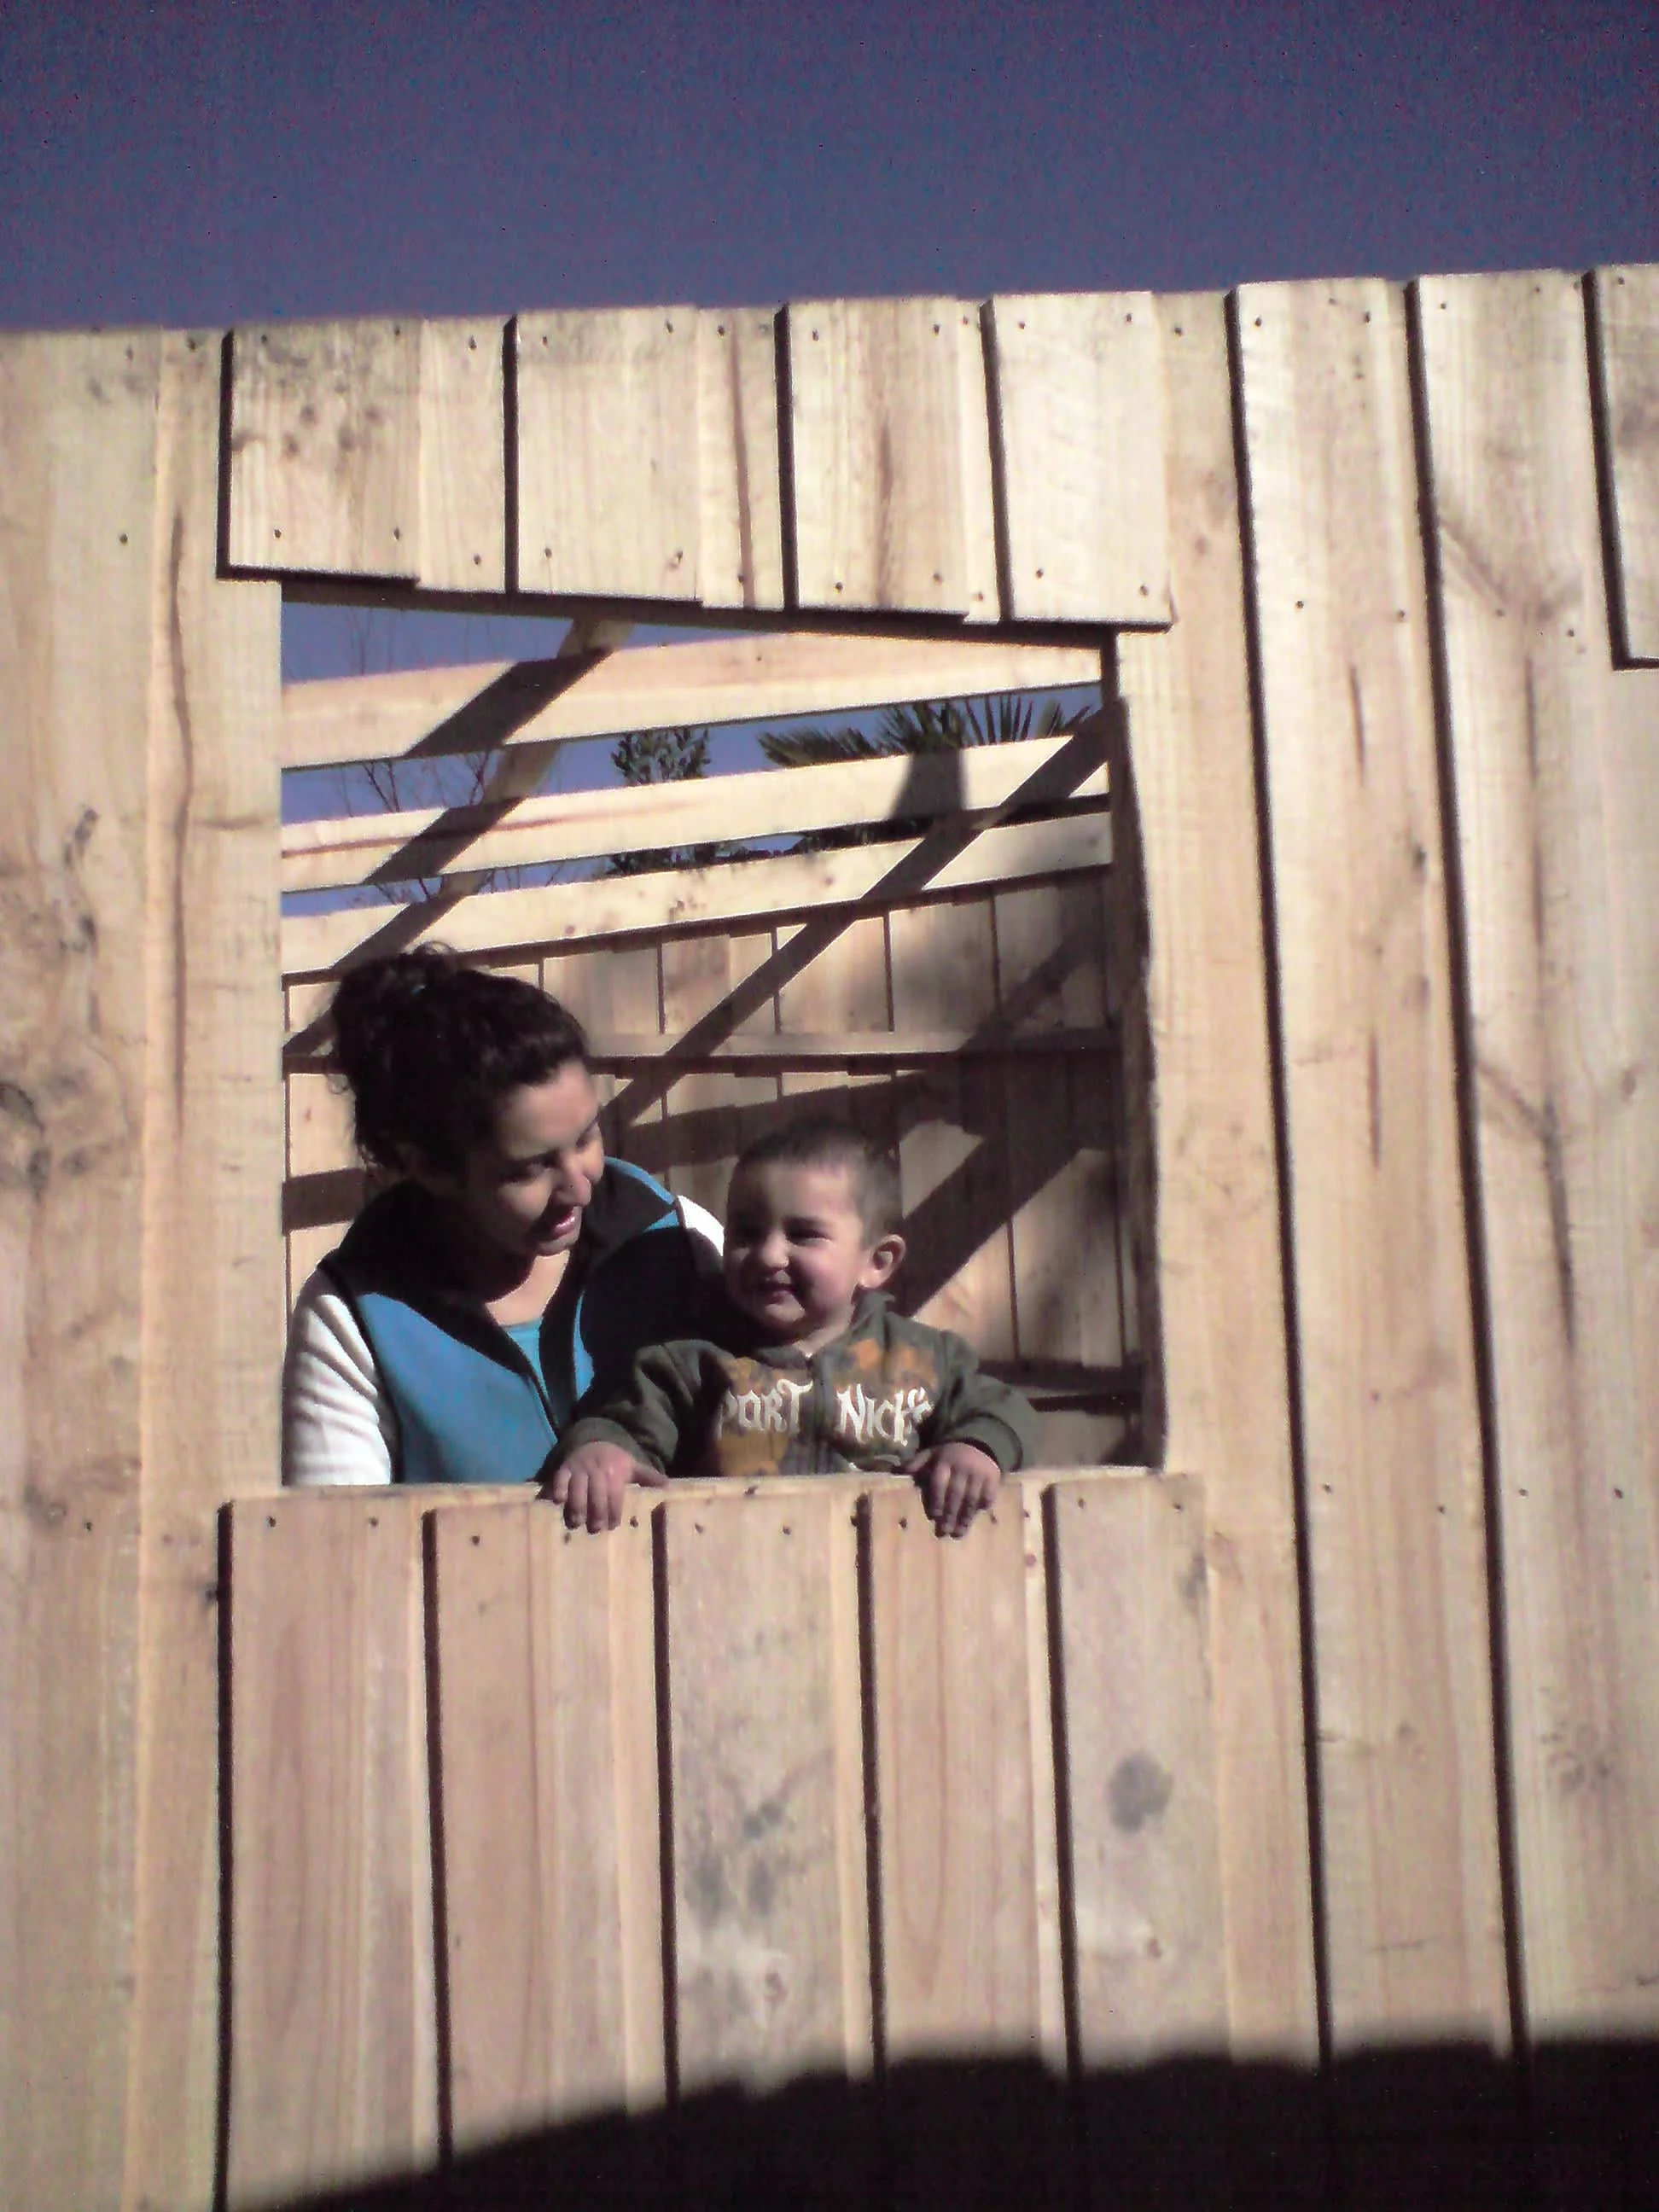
470	1405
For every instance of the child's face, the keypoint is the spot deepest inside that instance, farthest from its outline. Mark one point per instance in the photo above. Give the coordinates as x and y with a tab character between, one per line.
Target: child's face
798	1253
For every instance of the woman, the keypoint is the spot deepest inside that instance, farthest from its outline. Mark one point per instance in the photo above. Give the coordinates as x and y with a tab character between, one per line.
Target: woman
509	1270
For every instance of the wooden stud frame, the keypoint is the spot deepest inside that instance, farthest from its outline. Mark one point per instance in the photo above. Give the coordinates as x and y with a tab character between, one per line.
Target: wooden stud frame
1374	570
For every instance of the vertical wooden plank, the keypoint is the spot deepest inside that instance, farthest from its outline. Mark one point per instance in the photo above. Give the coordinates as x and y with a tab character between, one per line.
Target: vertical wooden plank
549	1787
610	490
1386	1352
461	534
213	1315
953	1764
1137	1769
77	504
1051	967
1555	766
953	1156
1627	308
843	989
334	2072
1079	400
616	988
957	1875
771	1951
741	559
875	387
705	1124
1188	966
979	522
325	448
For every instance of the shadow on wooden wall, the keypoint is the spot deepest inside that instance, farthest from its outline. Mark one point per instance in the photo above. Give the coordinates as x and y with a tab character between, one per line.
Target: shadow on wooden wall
1428	2124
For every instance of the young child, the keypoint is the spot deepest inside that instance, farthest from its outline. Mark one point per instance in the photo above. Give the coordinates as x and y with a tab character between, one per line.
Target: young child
803	1368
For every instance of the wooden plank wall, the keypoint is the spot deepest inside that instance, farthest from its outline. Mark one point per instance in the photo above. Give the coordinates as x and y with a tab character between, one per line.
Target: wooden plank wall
844	1715
840	457
1372	926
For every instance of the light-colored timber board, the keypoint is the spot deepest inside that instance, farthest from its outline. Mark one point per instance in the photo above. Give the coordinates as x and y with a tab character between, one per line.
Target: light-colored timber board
1627	308
77	515
952	1161
323	855
740	561
1079	397
562	913
326	448
461	542
770	1948
1385	1342
609	469
549	1780
1129	1574
333	2022
704	1113
954	1815
1201	1176
212	1311
1555	758
875	391
335	719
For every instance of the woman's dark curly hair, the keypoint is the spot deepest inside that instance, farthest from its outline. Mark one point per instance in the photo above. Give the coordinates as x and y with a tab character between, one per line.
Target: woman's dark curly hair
429	1048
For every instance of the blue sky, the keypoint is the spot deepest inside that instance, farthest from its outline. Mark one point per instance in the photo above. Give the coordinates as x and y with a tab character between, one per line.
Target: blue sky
204	164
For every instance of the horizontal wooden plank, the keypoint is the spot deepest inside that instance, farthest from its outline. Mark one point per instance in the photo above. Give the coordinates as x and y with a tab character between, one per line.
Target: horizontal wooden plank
946	859
653	687
581	825
609	1049
1626	302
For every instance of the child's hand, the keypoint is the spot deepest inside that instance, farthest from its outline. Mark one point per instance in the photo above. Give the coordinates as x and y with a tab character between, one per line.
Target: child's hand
592	1483
957	1481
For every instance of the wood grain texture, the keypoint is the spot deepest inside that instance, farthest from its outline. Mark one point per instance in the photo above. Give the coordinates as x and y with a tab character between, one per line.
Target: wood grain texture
326	448
1556	772
741	557
609	475
709	1117
979	519
770	1935
334	719
322	855
461	511
564	913
1385	1338
549	1805
953	1169
1137	1765
1081	427
213	1312
1051	966
875	393
1201	1176
77	515
954	1815
1625	304
333	2060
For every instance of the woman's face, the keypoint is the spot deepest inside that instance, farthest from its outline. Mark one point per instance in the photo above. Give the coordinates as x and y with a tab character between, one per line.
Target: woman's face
522	1193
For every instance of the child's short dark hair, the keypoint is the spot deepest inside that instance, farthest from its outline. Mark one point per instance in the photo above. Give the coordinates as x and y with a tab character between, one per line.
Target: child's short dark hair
429	1048
818	1141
